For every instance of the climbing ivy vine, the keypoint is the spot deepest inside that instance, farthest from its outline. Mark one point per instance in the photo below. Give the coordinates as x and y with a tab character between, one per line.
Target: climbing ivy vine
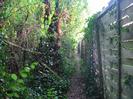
92	85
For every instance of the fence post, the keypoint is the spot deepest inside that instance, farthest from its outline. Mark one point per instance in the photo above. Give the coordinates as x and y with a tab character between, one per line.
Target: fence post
119	48
99	58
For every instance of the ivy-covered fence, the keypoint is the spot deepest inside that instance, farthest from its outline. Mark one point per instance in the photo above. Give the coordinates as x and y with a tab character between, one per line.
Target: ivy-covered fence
88	53
108	51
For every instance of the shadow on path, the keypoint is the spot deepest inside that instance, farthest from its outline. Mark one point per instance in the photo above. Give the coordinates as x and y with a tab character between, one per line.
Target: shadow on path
77	87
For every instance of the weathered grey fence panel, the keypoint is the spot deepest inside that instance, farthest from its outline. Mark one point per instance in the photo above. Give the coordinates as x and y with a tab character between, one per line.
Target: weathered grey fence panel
110	48
127	48
109	52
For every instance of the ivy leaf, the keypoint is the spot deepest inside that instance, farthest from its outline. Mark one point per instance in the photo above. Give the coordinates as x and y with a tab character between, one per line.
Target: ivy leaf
20	81
27	69
23	74
42	26
14	76
33	65
13	94
16	95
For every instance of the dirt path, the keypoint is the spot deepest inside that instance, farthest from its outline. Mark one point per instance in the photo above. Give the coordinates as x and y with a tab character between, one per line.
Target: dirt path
77	87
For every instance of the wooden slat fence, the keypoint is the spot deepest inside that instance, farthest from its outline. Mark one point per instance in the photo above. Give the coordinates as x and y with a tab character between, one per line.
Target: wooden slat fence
113	46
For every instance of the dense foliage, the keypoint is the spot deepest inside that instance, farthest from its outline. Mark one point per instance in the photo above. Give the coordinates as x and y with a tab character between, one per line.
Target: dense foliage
92	85
37	46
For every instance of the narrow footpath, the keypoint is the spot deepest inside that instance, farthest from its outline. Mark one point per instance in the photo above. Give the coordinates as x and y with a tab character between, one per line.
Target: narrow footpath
77	87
